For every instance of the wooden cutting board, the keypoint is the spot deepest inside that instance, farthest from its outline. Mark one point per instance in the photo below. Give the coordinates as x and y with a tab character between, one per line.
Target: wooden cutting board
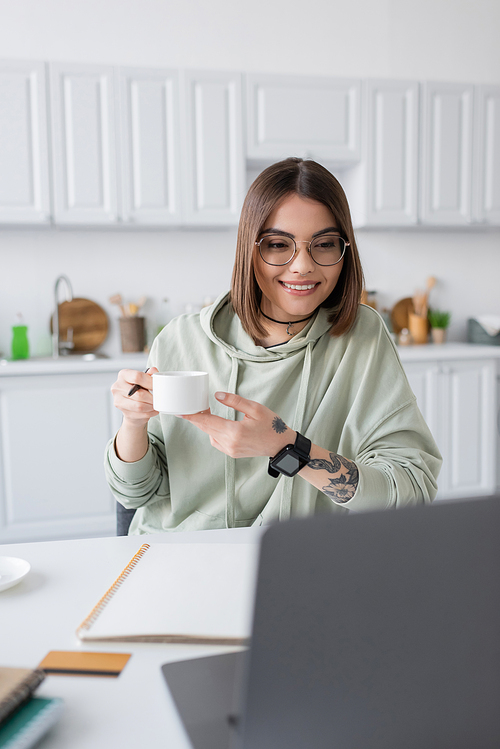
399	314
89	323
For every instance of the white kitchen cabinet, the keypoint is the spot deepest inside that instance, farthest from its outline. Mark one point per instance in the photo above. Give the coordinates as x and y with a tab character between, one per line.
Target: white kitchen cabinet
383	189
53	430
446	154
150	146
486	193
214	163
83	144
309	117
24	167
458	400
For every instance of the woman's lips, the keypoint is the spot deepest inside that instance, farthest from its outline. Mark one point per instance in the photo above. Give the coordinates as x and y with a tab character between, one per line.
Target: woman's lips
299	289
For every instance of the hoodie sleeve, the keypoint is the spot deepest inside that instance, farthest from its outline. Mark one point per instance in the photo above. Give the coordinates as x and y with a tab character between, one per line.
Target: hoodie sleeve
136	484
146	480
383	432
398	463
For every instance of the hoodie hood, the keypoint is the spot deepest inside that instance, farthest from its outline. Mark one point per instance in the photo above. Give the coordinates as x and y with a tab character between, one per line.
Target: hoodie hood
224	328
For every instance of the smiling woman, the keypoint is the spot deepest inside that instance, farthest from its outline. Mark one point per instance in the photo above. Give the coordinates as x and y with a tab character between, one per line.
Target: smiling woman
311	411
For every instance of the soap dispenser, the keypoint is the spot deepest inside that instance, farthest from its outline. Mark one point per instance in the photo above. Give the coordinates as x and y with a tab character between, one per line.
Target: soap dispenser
20	345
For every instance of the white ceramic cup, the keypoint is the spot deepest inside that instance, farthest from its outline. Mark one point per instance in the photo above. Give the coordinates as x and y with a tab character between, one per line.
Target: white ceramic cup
180	392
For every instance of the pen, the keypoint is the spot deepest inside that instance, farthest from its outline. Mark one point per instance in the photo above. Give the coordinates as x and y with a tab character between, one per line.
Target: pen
135	388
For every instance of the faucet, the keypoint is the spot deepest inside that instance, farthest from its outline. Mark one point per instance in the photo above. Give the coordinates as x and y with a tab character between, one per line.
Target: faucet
61	347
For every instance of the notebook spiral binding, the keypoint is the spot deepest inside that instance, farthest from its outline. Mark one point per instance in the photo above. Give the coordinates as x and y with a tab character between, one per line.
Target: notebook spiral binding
87	623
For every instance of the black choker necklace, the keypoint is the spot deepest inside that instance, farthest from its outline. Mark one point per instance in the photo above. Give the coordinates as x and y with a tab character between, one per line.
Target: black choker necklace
289	324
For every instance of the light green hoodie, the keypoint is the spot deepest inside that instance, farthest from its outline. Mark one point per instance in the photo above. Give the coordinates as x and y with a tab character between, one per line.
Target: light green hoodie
347	394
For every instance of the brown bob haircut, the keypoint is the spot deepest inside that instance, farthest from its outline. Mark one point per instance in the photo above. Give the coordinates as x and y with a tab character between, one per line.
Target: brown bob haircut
309	180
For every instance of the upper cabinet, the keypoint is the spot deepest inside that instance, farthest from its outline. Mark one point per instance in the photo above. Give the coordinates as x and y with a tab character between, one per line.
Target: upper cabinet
150	146
486	204
430	156
24	168
84	144
317	118
447	138
383	188
134	147
214	169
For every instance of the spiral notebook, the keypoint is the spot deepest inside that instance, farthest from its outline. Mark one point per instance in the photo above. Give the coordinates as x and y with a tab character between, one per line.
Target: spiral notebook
173	592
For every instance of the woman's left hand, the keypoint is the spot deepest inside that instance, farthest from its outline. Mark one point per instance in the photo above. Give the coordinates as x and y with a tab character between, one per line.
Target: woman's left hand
260	433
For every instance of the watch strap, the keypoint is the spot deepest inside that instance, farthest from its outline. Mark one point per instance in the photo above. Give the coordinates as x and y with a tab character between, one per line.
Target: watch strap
303	447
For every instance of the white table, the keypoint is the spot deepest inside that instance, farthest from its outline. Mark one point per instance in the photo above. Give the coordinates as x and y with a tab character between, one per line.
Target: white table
41	613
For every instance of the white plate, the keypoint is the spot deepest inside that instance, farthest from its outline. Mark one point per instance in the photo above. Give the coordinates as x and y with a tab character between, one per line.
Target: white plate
12	571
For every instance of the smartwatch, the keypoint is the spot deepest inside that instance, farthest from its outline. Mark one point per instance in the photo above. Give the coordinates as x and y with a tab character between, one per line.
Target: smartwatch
291	459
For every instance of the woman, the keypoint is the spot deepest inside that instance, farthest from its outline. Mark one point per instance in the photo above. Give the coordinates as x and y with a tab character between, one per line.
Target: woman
311	411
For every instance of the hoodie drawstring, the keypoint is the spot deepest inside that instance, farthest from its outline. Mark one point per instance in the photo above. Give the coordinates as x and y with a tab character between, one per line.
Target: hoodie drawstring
285	510
230	466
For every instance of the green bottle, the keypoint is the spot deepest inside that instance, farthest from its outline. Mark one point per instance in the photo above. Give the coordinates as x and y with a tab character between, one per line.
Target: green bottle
20	345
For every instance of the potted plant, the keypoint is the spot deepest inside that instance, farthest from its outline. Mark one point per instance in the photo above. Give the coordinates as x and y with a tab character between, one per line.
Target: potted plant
439	321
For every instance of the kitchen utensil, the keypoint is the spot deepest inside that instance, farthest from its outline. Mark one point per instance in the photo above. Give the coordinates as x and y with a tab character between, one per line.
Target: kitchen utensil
88	321
399	314
418	327
133	334
118	300
431	282
420	304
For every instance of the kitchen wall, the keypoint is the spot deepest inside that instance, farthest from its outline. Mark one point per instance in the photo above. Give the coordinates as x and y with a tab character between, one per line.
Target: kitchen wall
453	40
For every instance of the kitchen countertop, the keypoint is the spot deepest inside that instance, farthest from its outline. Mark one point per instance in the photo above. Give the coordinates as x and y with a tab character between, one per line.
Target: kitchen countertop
432	351
72	365
79	364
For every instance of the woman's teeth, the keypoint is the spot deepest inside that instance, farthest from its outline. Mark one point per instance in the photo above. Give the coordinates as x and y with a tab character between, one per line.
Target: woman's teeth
299	287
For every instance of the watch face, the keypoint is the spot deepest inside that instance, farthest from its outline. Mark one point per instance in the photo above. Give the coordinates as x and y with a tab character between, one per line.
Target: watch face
288	464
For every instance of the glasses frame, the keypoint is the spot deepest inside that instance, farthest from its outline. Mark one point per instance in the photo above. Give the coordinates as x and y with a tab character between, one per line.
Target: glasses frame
302	241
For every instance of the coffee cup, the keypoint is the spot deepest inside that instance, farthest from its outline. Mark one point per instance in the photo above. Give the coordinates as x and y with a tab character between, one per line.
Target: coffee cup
180	392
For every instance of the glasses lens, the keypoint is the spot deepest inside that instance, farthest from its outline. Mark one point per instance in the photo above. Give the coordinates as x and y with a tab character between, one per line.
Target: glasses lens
328	249
276	250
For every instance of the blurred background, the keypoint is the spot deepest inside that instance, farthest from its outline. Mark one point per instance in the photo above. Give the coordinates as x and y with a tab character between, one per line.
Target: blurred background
421	40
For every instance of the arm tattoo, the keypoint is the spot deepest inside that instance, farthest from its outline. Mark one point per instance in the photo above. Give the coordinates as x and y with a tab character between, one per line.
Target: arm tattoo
279	425
332	465
341	488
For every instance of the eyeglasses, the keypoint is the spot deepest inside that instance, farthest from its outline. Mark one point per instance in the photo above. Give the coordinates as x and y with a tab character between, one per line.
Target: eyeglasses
277	249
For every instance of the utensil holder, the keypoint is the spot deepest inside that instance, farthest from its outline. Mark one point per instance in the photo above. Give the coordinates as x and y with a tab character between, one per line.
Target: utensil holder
132	331
418	327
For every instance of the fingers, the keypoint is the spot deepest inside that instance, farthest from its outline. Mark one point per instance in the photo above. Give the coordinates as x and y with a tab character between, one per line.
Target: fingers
252	409
138	407
208	422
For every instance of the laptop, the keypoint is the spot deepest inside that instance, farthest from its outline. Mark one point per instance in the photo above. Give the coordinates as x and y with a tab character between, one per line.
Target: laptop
372	631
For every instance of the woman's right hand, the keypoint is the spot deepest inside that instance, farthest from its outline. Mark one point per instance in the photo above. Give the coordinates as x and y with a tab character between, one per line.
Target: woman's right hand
131	442
137	409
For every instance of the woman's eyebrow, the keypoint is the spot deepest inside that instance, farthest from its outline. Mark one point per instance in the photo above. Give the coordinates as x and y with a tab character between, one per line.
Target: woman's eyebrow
278	231
328	230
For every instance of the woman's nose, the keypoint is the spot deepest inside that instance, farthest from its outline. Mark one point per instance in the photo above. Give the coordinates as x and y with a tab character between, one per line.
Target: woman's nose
302	262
